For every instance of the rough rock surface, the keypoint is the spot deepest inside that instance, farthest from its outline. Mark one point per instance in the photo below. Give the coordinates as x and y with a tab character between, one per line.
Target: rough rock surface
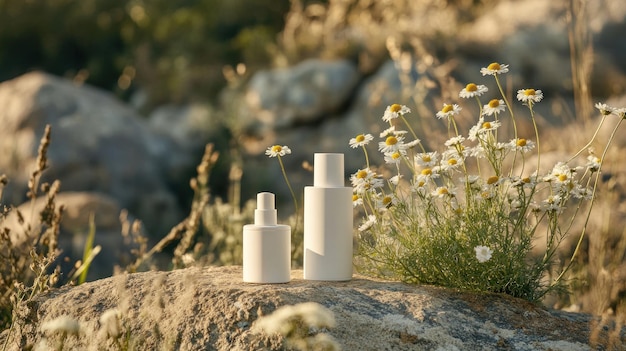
211	309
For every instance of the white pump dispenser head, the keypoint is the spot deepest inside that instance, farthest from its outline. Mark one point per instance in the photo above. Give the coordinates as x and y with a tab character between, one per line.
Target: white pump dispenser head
266	245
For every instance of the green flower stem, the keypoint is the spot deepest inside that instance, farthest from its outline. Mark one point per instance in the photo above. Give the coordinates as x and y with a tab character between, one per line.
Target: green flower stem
508	105
595	134
367	159
412	132
532	117
293	195
593	198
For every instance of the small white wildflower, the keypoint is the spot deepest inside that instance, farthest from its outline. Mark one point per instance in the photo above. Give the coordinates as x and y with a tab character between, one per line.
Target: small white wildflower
391	131
391	144
62	324
361	140
483	253
582	193
357	200
521	145
494	69
394	111
442	192
368	223
457	140
448	111
427	159
495	106
277	150
529	96
394	157
604	108
472	90
620	112
552	204
593	163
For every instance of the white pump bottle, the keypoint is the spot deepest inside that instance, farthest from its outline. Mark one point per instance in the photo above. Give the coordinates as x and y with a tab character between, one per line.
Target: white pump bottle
266	245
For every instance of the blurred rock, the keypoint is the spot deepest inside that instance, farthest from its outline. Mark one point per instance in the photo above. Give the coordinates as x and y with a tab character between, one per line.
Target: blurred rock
305	93
98	144
211	309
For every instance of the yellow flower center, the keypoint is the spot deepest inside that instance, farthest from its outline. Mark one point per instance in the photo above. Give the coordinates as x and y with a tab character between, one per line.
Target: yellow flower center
521	142
487	125
355	197
361	174
471	87
492	180
387	200
562	177
447	108
396	155
359	138
452	161
421	183
442	191
427	171
426	158
494	103
277	148
395	108
529	92
526	180
391	140
494	66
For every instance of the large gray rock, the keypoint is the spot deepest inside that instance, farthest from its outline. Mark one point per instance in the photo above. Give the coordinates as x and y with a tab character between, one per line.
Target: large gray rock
304	93
211	309
98	144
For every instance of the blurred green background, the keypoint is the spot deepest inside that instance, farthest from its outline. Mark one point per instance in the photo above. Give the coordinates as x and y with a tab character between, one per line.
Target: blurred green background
171	51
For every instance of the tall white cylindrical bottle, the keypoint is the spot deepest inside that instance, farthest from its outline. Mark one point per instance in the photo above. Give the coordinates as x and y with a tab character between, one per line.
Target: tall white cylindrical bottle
328	221
266	245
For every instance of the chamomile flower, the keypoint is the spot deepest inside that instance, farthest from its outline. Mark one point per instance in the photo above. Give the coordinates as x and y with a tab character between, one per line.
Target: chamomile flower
365	179
495	106
394	111
580	192
394	157
392	131
604	108
448	111
522	145
529	96
593	163
427	159
450	160
277	150
494	68
361	140
391	144
472	90
482	127
443	191
483	253
357	200
368	223
560	175
620	112
454	141
386	201
552	204
427	174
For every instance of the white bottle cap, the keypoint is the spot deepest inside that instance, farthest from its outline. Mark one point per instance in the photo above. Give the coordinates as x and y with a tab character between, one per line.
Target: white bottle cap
265	213
328	170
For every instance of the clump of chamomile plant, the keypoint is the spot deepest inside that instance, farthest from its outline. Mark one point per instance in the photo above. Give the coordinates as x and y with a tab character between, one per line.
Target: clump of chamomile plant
466	216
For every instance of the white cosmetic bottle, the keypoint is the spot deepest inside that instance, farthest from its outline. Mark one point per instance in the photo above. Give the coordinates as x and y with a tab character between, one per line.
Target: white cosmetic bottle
328	221
266	245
